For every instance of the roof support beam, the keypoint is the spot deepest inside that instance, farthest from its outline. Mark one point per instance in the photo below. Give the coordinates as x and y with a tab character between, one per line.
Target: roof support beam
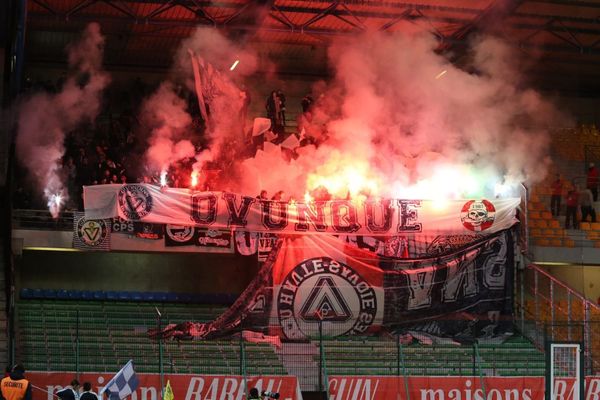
78	7
44	5
322	14
164	7
122	7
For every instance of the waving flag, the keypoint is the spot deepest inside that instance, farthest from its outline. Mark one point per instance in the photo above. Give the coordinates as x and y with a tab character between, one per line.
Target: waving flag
168	393
122	384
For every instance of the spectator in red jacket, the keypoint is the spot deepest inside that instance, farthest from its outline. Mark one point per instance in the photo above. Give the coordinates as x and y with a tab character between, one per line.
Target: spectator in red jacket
592	180
572	202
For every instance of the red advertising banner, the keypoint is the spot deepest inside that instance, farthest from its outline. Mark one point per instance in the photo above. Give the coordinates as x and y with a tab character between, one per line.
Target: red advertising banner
185	387
454	388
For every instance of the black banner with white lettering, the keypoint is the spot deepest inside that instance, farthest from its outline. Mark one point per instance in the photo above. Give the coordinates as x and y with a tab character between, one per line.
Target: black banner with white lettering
142	230
176	235
462	294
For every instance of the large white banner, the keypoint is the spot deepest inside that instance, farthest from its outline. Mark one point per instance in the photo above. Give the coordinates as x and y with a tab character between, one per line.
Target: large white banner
223	210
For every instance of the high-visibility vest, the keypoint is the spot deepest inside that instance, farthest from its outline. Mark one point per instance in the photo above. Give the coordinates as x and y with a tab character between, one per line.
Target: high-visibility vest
13	389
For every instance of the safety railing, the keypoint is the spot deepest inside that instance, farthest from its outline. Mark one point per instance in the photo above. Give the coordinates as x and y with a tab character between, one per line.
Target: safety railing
549	310
101	336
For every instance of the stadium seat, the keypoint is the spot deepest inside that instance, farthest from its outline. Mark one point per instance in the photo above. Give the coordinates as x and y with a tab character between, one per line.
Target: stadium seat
172	298
26	293
99	295
136	296
160	296
124	295
147	296
49	294
112	295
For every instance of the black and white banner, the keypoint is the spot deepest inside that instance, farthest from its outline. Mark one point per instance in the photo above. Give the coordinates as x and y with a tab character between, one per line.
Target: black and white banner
229	211
90	234
462	294
177	235
142	230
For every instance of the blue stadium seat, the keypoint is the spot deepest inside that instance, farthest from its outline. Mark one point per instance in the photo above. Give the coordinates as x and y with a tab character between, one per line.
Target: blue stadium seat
27	293
62	294
172	297
184	298
49	293
201	298
160	296
148	296
136	296
87	295
75	295
124	295
37	293
112	295
99	295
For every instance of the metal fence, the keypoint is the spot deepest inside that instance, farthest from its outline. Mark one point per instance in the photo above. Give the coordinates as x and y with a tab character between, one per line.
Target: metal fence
101	336
549	310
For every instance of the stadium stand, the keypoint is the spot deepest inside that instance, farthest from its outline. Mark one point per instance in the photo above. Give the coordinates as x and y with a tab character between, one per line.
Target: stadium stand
369	356
110	333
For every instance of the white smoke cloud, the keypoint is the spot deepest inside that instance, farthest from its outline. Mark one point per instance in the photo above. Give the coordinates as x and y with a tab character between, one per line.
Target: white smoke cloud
165	113
44	119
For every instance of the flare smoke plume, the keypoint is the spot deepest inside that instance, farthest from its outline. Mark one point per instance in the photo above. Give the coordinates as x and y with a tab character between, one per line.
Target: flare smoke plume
45	118
399	128
400	121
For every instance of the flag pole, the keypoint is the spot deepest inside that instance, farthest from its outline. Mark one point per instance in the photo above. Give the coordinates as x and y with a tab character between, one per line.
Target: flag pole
160	354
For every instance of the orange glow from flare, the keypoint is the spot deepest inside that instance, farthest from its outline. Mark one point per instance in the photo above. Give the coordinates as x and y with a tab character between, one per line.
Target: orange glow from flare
343	178
307	197
194	178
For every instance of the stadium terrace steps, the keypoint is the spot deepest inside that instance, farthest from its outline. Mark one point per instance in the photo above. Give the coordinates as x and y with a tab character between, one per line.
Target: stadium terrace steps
112	333
354	357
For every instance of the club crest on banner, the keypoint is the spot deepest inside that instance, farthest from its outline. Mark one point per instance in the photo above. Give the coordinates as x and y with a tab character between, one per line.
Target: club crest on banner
92	232
478	215
135	201
179	233
323	289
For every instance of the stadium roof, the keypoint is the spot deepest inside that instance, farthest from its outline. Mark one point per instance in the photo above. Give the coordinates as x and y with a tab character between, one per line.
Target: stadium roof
559	40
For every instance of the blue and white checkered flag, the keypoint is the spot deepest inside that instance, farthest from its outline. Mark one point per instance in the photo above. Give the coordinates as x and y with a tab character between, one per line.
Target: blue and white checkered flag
122	384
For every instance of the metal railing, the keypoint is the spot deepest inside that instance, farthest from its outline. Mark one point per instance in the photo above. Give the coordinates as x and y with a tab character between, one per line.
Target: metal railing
549	310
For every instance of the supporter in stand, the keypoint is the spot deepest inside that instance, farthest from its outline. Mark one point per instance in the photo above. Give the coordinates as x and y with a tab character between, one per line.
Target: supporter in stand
263	195
572	202
587	205
15	386
557	188
592	180
278	196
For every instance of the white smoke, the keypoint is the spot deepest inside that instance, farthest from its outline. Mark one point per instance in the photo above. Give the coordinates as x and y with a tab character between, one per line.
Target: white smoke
44	119
165	113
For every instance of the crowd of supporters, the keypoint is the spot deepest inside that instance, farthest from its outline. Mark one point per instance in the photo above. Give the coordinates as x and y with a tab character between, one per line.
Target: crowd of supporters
111	149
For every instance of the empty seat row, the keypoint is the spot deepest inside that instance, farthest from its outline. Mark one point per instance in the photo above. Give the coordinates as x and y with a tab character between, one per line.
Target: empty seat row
161	297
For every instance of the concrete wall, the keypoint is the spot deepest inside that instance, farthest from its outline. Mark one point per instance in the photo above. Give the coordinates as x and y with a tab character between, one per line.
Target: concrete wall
585	279
181	273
